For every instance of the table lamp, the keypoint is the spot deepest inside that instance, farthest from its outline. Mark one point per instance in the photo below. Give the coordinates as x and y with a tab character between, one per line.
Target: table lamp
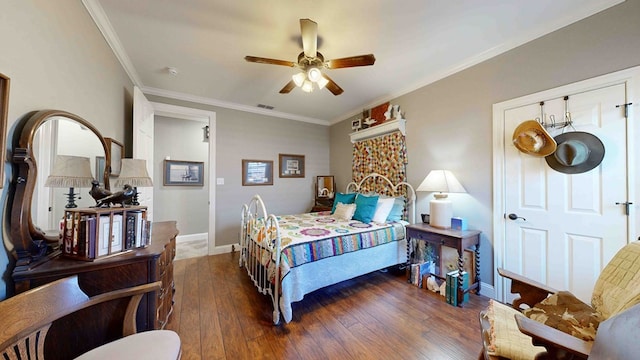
134	173
72	172
440	209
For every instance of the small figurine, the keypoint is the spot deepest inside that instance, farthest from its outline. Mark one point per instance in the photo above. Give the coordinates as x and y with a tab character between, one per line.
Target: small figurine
119	197
396	112
97	192
387	114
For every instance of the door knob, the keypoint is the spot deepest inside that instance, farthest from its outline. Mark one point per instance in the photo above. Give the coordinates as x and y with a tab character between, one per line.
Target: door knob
513	216
626	206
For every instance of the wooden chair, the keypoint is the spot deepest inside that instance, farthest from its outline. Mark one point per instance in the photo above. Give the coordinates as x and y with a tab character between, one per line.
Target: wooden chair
27	317
615	296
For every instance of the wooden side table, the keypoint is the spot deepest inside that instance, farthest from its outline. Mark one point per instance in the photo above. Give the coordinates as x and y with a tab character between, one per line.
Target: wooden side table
459	240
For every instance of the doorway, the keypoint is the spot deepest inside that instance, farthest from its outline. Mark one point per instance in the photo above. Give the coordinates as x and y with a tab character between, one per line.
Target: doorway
209	117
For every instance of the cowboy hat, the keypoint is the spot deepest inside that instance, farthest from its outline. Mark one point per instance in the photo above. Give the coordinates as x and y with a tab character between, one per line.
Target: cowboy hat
576	152
531	138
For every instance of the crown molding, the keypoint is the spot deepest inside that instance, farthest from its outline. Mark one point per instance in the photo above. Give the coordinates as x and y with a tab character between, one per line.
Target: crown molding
99	17
229	105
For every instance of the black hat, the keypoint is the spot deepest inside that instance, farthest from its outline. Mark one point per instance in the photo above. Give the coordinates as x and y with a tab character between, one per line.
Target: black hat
576	152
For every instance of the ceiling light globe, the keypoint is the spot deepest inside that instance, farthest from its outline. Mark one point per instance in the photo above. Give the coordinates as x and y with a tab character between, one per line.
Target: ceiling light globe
299	78
322	83
307	86
314	74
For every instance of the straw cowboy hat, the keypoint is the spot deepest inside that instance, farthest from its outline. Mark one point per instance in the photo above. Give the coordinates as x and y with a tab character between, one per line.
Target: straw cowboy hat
531	138
576	152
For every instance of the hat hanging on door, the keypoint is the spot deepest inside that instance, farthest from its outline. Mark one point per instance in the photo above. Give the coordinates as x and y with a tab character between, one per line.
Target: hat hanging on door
576	152
531	138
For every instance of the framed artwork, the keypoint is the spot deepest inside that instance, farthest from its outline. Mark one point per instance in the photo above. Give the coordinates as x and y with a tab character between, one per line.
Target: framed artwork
377	113
291	166
356	124
100	164
257	172
183	173
450	260
116	149
4	113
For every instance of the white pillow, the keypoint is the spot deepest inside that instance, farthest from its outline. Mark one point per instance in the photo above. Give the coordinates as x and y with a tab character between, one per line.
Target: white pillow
383	209
344	211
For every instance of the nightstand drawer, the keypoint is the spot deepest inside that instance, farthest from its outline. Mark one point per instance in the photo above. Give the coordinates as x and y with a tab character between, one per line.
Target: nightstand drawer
433	238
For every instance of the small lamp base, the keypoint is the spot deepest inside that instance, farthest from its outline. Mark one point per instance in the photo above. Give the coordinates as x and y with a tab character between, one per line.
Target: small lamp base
441	212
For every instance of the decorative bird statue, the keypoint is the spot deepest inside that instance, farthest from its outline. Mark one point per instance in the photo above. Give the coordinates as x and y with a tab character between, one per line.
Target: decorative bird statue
97	192
119	197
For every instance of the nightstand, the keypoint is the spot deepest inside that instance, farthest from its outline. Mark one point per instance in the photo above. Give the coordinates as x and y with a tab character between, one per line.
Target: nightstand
459	240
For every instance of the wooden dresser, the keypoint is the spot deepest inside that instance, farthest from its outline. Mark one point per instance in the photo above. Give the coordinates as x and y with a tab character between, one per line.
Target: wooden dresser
84	330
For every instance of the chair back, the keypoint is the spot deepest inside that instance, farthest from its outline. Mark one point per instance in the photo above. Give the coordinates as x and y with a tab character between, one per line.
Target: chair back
618	286
26	317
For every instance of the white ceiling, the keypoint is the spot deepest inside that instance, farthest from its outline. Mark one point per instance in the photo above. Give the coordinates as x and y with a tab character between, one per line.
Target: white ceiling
415	42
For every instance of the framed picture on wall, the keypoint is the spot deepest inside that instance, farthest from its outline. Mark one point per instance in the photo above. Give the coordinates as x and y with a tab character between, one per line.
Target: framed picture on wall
116	149
183	173
257	172
4	112
291	166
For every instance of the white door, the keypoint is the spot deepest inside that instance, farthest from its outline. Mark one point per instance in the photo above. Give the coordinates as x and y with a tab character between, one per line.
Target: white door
568	226
143	116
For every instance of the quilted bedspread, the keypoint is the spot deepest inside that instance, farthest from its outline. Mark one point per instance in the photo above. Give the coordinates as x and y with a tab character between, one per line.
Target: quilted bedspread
314	236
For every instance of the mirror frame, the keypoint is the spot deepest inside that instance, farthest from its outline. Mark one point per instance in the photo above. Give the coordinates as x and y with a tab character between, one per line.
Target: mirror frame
31	245
332	192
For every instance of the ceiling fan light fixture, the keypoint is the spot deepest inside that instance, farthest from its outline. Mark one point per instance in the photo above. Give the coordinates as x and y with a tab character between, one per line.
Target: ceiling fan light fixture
322	83
299	79
314	74
307	86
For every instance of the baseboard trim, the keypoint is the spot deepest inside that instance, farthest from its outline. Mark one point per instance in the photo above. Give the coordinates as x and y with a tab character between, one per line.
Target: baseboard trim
223	249
487	290
192	237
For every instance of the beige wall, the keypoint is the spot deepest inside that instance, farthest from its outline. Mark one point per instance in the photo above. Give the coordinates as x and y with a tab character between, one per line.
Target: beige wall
57	59
449	123
181	140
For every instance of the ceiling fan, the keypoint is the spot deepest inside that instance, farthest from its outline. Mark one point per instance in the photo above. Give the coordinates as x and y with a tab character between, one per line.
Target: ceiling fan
310	62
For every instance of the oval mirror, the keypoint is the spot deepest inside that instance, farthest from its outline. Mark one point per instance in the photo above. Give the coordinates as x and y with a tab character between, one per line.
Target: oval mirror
38	206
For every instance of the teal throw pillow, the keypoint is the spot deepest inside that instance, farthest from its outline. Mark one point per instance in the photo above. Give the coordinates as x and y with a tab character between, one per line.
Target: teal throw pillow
397	210
365	208
343	198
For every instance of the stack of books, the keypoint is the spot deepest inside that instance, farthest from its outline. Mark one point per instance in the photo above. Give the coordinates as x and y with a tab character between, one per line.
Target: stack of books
451	294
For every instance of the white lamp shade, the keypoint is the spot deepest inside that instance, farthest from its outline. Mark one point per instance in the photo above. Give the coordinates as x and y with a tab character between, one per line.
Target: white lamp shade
134	173
440	208
441	181
70	171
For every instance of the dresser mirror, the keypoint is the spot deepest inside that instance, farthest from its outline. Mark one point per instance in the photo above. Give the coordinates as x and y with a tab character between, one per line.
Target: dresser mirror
37	209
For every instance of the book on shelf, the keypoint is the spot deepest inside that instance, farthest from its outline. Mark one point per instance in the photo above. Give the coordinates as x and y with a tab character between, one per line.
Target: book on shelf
451	295
419	270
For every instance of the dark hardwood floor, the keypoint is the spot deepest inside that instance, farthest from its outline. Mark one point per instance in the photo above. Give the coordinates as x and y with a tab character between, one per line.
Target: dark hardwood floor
219	314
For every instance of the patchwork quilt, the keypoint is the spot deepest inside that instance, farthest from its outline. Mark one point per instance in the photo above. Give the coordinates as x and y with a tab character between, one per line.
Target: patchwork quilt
315	236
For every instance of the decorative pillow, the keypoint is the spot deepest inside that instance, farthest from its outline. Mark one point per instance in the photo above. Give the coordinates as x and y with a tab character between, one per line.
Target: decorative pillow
567	313
383	208
365	208
344	211
506	340
397	209
343	198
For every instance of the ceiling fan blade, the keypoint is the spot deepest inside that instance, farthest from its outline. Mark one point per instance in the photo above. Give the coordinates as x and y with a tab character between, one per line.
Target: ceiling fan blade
309	31
352	61
262	60
287	88
332	86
